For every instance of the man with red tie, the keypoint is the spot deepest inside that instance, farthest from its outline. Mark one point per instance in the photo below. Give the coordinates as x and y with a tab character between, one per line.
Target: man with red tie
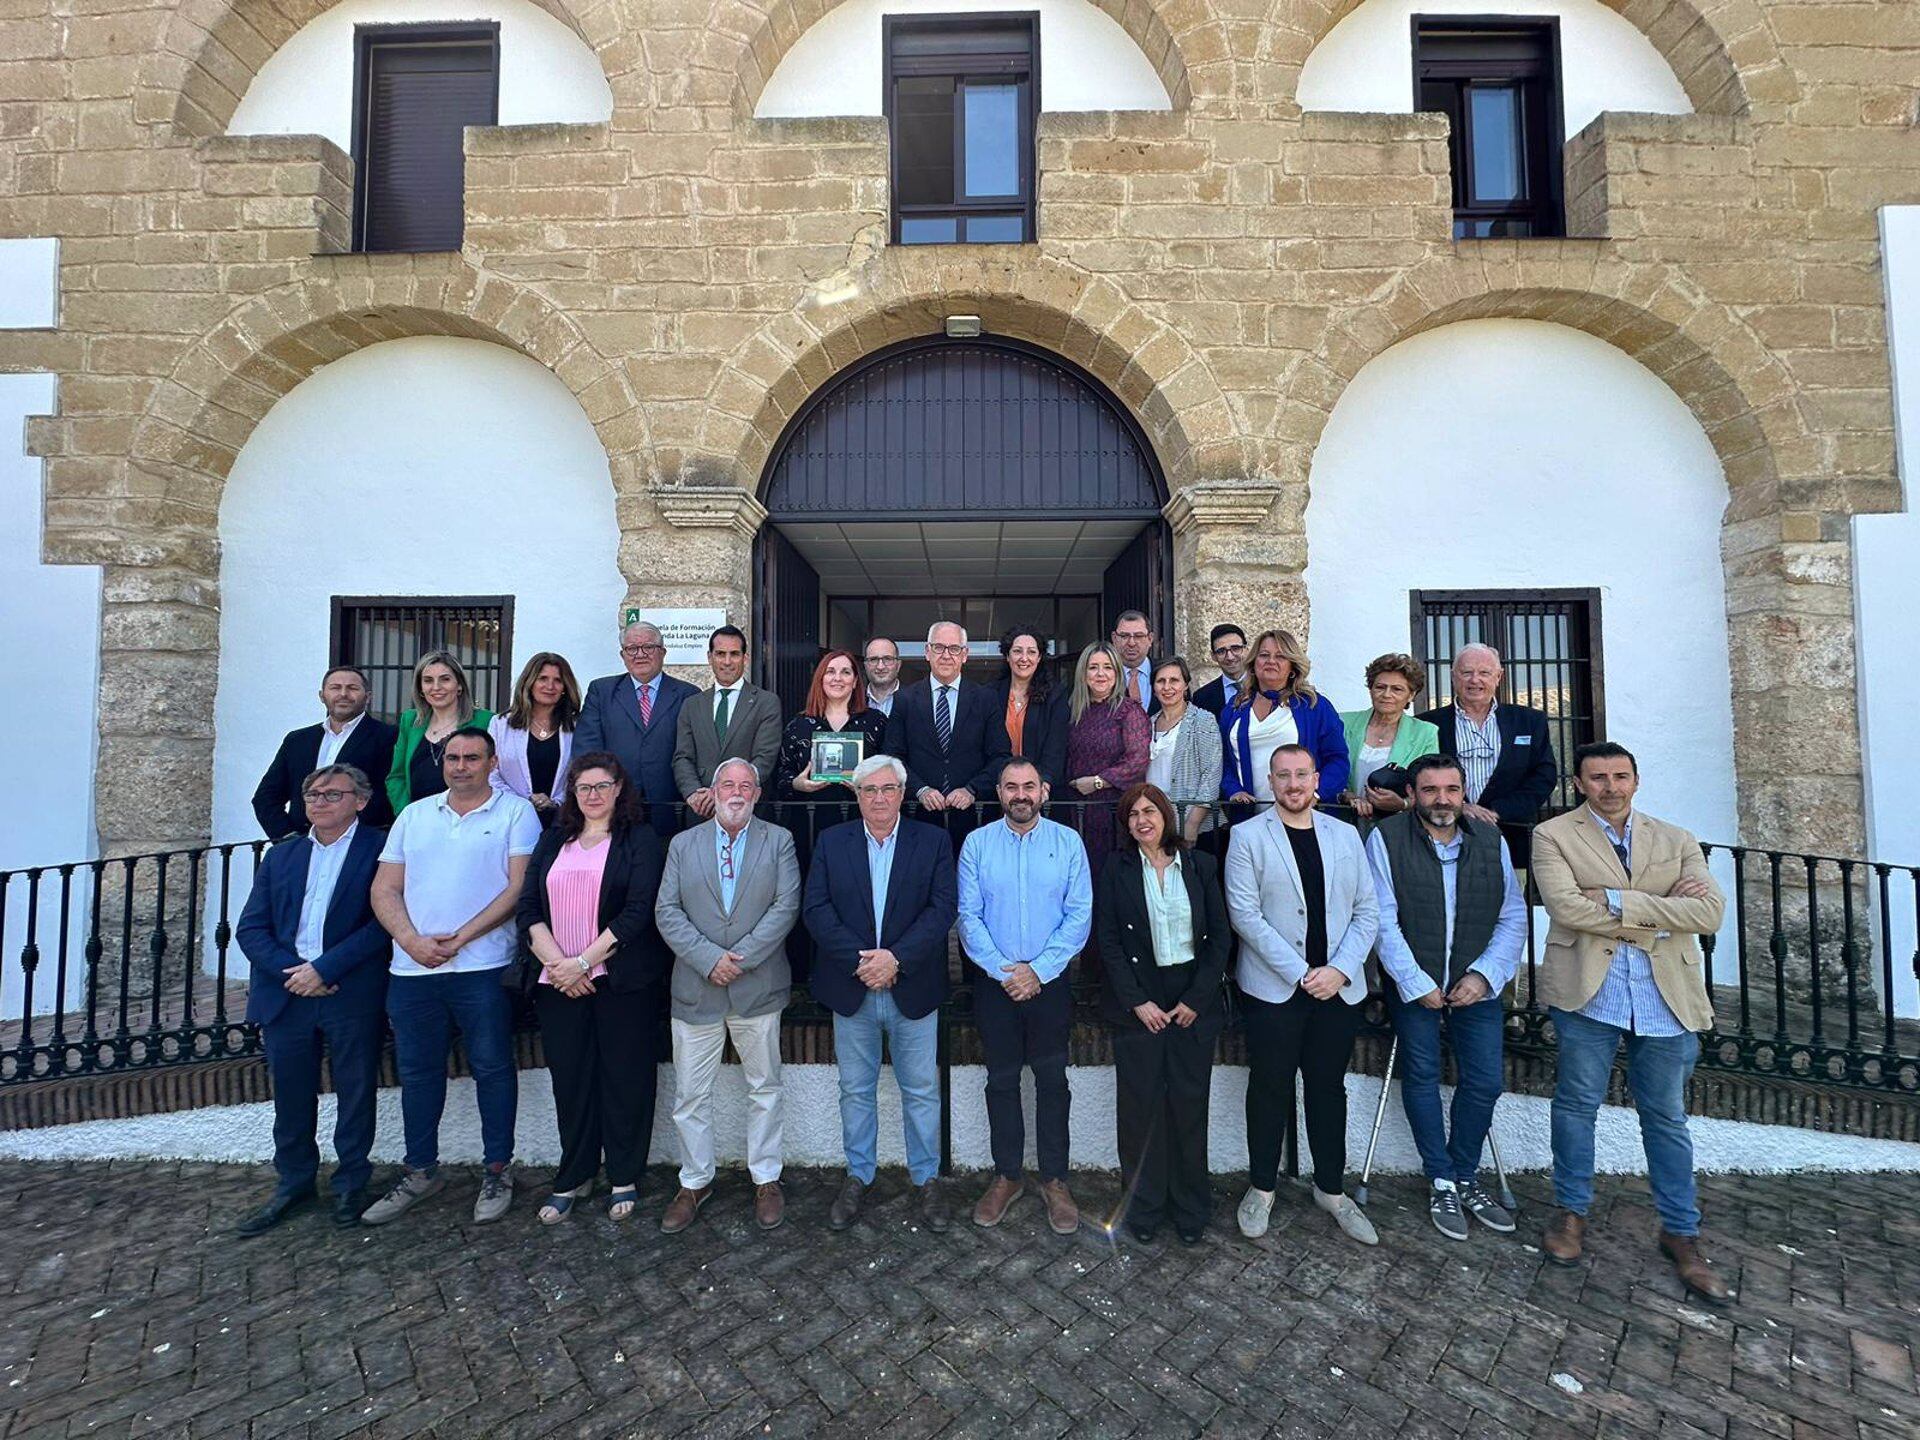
1133	638
636	715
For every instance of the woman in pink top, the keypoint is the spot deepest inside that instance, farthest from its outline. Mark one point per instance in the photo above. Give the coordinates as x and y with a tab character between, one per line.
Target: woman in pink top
597	972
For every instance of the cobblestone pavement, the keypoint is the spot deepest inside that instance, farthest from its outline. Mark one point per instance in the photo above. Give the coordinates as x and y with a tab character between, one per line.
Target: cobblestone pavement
132	1311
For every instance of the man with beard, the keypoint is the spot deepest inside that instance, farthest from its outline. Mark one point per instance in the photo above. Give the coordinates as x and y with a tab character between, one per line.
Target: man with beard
1452	926
1026	906
1301	900
348	736
730	894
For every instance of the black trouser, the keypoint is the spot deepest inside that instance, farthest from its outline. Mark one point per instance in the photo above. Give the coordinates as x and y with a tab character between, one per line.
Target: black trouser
1315	1038
1162	1084
603	1051
353	1042
1016	1033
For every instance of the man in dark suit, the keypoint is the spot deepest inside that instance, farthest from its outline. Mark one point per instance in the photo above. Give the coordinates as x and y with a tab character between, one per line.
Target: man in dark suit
880	900
348	736
735	720
636	716
1505	749
952	736
1228	645
319	974
1132	641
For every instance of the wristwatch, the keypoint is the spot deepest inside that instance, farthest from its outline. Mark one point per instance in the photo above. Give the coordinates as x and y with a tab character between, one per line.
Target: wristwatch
586	966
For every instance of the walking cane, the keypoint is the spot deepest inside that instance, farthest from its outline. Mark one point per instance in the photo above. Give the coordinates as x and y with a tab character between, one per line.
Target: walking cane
1507	1197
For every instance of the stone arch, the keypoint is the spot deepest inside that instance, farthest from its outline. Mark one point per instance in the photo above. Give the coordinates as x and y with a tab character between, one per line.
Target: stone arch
906	292
749	38
211	50
205	409
1699	41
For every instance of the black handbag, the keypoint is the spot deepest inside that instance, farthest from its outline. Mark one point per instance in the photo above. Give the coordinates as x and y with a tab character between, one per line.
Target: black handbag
1392	777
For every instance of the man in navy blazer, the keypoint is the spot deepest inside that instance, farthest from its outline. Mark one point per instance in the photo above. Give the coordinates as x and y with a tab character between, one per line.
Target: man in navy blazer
1505	750
953	773
881	898
319	973
634	717
348	736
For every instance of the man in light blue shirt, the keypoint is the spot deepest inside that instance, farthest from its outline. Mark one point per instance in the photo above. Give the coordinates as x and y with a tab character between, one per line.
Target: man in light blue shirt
1452	928
1026	906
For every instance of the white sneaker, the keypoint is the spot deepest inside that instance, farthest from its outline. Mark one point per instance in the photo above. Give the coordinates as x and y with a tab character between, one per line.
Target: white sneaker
496	1194
1256	1207
1351	1219
412	1187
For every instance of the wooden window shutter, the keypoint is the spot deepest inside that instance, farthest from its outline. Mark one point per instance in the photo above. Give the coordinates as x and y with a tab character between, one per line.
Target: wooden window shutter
417	93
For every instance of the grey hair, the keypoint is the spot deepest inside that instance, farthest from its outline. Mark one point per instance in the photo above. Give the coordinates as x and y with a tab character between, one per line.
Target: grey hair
727	764
646	625
938	624
1471	646
874	764
352	774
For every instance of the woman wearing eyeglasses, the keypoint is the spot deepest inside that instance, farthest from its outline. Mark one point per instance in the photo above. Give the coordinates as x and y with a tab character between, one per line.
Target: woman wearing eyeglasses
597	970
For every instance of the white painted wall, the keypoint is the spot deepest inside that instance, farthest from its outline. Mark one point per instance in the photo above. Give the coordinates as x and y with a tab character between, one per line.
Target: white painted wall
1087	62
1366	61
421	466
1886	598
242	1134
50	621
547	73
1512	454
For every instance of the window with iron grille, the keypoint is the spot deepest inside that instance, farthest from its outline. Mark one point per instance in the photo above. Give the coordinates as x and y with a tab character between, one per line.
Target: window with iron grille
962	93
1498	82
386	636
1549	644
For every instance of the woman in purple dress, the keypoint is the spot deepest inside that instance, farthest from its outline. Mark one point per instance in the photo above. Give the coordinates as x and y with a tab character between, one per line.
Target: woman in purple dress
1109	740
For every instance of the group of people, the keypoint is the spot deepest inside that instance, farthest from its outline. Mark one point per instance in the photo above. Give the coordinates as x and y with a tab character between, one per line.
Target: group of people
607	856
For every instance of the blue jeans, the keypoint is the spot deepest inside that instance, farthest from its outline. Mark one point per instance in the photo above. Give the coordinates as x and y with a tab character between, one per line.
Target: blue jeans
425	1009
914	1047
1476	1034
1657	1071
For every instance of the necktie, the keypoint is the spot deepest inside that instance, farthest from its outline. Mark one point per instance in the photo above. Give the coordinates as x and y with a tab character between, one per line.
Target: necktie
646	705
1140	686
943	717
1620	849
720	715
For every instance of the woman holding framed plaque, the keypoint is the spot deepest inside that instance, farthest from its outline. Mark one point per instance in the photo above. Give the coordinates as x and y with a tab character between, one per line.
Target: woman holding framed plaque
835	730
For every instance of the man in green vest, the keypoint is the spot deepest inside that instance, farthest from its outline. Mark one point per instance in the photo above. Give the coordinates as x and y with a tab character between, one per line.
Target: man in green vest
1452	927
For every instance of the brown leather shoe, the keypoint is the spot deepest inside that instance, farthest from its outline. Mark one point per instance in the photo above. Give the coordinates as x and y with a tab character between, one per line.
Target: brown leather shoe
934	1213
846	1205
682	1208
1696	1272
769	1205
993	1205
1062	1214
1563	1237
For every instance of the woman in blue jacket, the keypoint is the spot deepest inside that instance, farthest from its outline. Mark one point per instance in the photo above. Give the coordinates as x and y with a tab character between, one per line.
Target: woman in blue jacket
1278	708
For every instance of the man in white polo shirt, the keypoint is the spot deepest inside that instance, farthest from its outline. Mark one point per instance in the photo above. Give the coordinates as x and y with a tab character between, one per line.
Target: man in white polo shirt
448	881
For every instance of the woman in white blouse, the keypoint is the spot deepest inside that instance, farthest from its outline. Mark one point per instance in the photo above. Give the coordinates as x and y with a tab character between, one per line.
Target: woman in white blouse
1185	759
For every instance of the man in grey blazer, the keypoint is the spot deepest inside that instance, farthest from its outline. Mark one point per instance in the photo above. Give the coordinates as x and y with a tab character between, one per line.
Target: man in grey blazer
730	894
1301	899
733	720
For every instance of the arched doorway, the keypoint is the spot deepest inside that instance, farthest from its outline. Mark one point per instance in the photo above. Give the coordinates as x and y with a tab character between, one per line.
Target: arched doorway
985	481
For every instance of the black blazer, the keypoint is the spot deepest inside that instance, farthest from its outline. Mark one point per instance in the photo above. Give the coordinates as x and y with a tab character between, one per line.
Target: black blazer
1045	732
277	804
1125	935
975	751
1212	696
627	891
922	903
355	946
1525	774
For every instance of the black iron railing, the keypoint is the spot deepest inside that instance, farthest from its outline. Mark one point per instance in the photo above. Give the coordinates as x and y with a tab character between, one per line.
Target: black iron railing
115	965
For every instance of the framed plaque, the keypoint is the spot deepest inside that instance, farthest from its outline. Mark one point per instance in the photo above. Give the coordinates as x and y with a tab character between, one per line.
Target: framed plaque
836	755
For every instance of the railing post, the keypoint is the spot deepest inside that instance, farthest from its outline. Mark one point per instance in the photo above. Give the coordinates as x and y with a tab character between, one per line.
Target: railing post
1777	944
157	951
1812	865
29	963
1849	954
1883	875
1740	941
61	970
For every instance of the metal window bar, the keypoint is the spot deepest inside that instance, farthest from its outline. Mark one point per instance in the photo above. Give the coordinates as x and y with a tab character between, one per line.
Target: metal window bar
387	637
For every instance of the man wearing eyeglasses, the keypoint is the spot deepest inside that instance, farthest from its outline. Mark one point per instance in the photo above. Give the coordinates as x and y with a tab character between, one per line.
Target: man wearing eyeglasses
1133	639
881	897
881	660
636	716
318	981
951	735
728	897
1228	646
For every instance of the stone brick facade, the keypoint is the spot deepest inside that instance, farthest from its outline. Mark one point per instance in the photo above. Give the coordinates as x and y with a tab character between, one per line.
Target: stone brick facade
693	274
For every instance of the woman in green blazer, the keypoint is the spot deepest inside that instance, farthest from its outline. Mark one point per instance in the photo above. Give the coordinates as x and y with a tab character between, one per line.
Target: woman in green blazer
1387	734
442	704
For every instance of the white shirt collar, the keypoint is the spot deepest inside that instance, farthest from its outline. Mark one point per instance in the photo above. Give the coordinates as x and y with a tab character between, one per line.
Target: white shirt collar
346	837
440	801
326	724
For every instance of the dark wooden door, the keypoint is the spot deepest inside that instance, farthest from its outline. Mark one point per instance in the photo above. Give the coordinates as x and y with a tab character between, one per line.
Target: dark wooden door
788	620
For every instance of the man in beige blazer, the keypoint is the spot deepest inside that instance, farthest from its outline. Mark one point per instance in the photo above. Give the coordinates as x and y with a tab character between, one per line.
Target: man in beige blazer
1628	896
